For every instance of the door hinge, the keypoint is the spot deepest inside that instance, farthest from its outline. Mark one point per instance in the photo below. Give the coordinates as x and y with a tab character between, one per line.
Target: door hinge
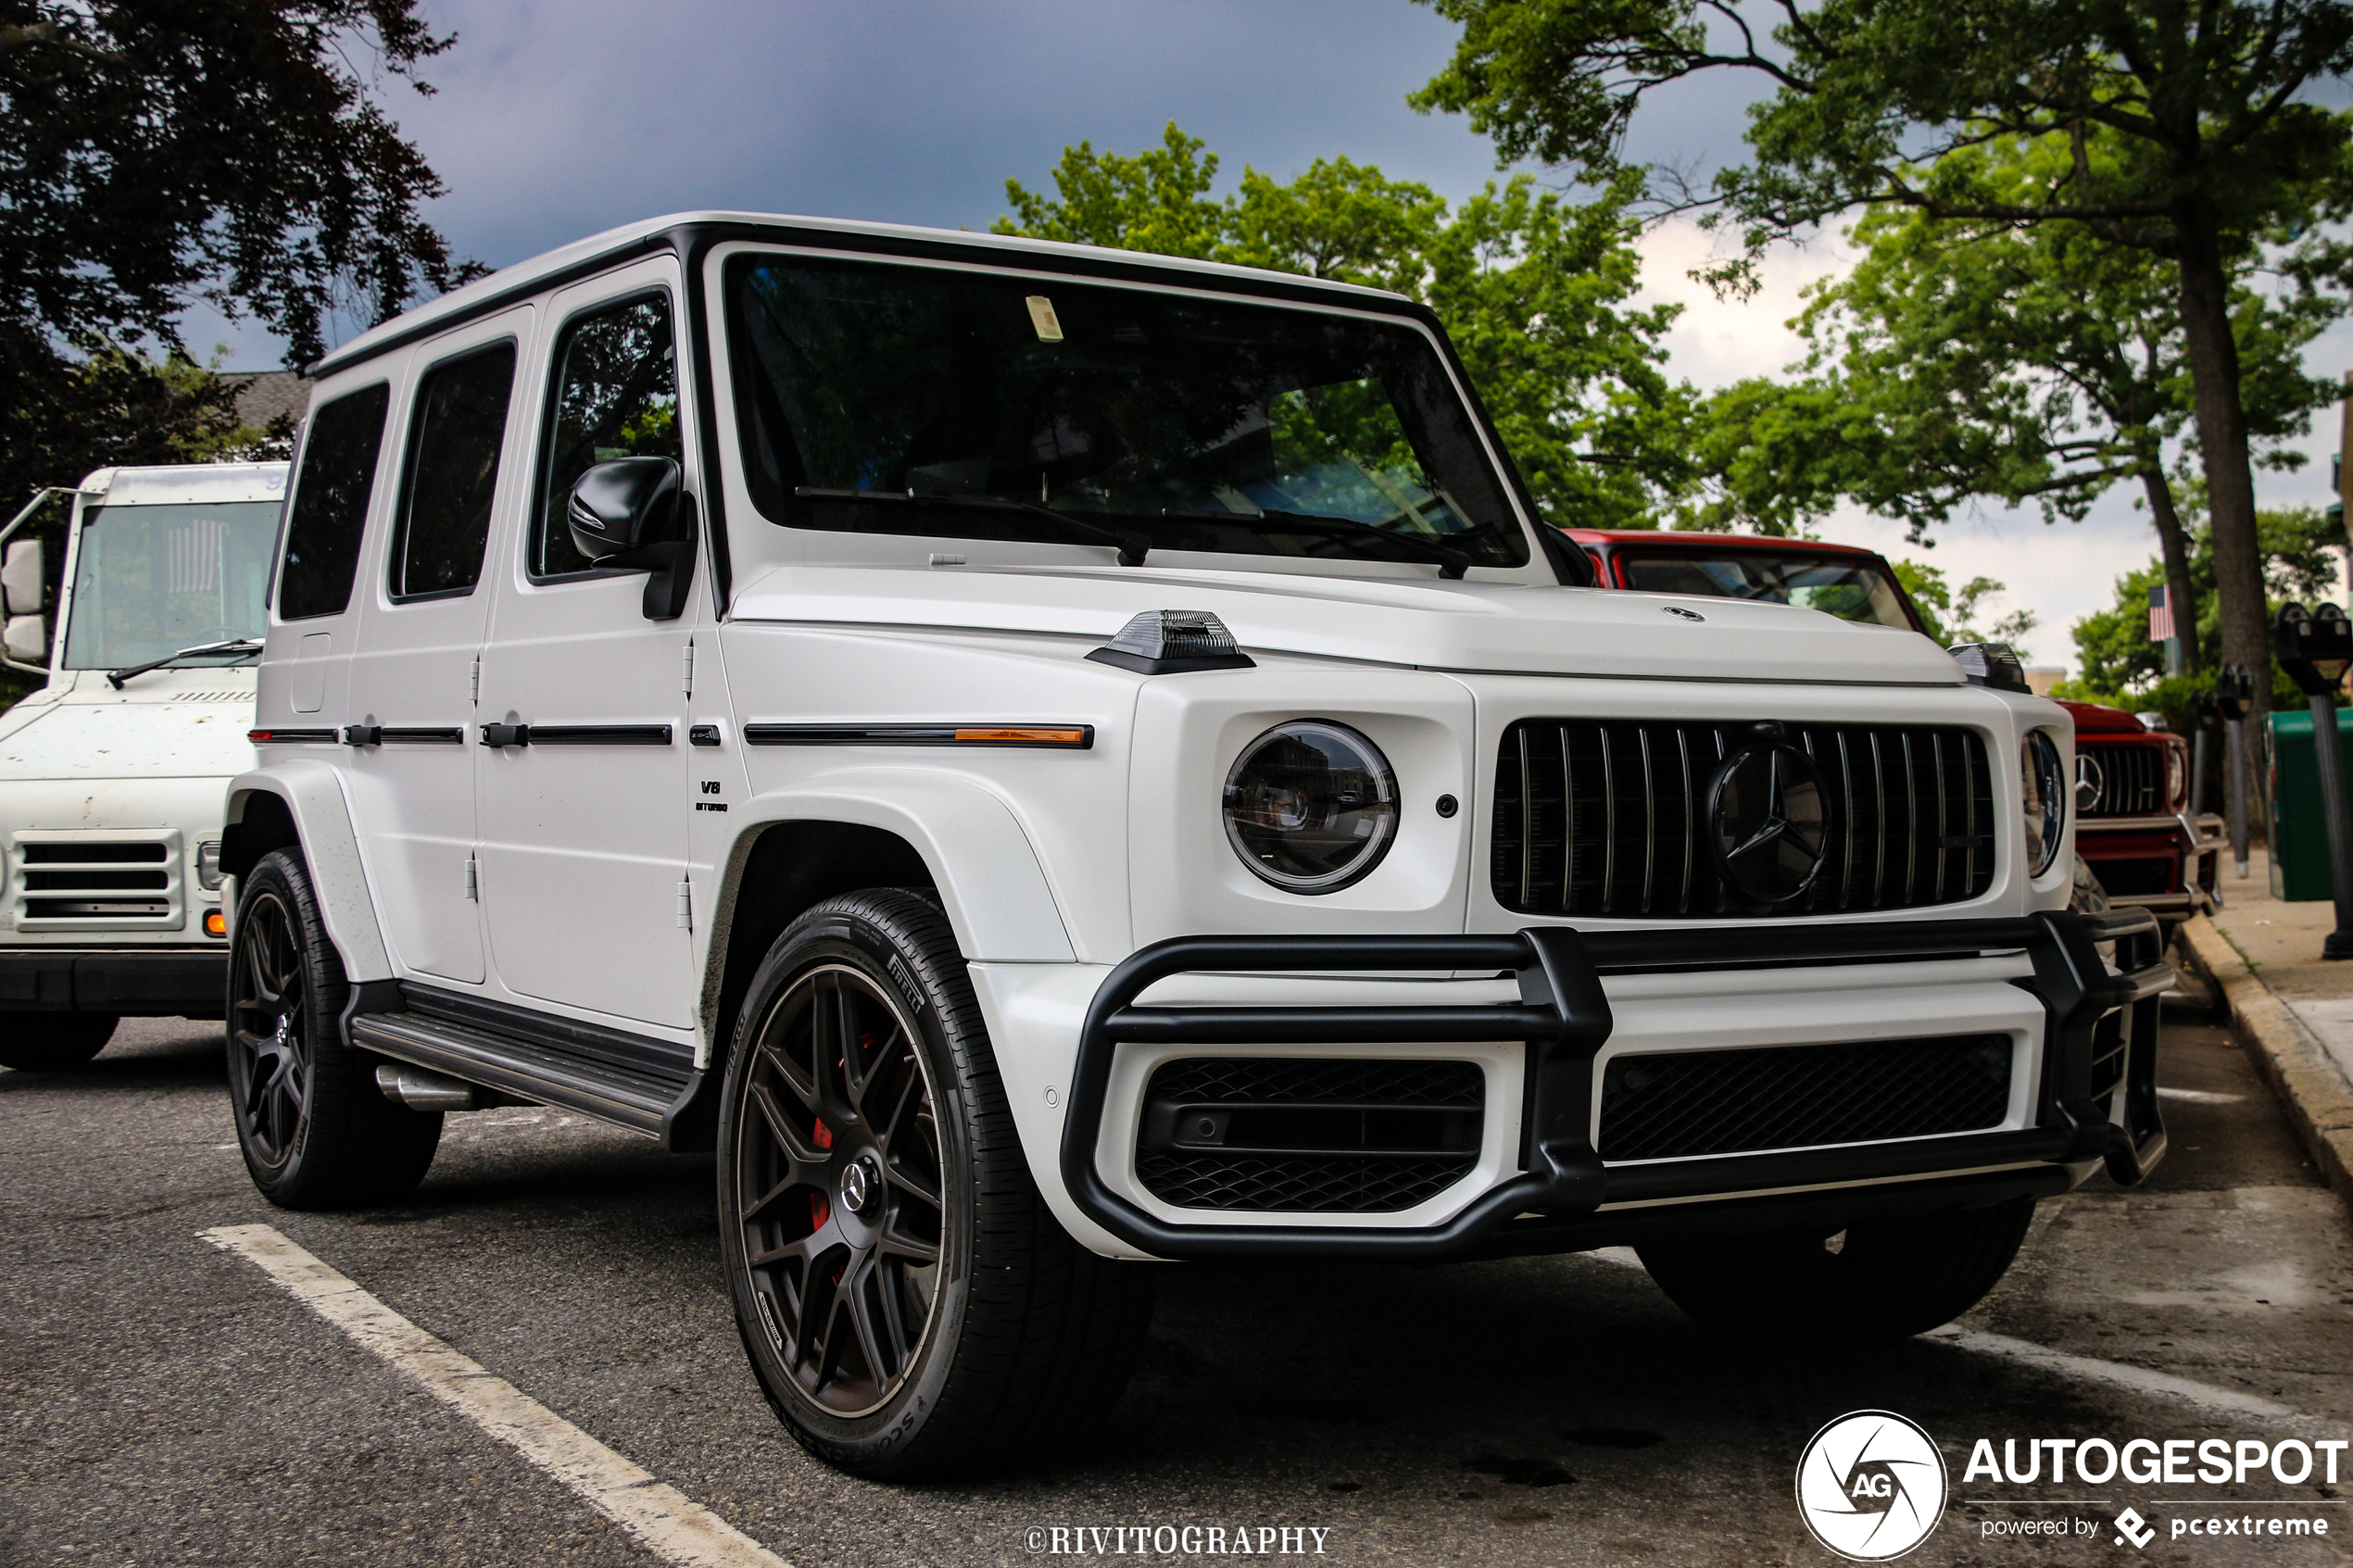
476	682
685	905
687	668
474	881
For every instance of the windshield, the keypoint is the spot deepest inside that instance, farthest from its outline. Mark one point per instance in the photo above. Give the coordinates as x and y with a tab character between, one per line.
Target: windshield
1849	588
150	581
1142	408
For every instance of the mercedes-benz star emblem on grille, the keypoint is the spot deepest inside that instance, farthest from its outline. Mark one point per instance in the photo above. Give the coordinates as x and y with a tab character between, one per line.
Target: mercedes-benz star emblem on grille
1686	614
2089	781
1765	813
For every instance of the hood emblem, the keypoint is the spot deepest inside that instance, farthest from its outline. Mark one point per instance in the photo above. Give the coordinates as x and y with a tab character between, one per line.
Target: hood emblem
1686	614
2089	781
1767	821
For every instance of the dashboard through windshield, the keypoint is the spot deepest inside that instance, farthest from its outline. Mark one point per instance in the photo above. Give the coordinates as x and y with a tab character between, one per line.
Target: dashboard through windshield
979	405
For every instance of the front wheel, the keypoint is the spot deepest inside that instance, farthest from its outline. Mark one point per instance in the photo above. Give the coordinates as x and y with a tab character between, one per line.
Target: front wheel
1876	1280
53	1042
910	1305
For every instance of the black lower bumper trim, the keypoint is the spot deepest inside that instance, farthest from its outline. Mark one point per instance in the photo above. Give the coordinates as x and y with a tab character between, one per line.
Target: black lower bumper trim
136	982
1564	1019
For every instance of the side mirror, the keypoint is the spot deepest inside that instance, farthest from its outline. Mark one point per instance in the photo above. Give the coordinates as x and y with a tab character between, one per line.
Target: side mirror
21	579
630	514
26	639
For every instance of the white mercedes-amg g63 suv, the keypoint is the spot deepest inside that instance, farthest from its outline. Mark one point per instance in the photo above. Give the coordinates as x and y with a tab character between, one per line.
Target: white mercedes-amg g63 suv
1047	759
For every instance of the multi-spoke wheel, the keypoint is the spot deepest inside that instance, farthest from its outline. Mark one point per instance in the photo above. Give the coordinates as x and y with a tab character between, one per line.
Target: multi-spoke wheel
51	1041
315	1132
910	1305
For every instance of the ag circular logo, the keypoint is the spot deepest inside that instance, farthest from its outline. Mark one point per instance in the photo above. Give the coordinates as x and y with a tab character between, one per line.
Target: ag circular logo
1765	813
1871	1486
2089	781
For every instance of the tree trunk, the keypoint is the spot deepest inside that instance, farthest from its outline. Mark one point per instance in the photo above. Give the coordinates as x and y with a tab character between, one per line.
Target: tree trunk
2221	438
2180	592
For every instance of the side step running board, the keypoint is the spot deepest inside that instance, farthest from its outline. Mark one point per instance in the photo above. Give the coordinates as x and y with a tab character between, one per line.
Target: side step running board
641	1101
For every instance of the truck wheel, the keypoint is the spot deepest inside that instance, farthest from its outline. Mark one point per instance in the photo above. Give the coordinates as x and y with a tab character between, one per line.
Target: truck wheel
51	1042
315	1131
910	1304
1878	1279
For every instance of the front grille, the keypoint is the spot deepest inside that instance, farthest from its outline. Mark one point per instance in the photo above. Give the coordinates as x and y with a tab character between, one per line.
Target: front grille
2132	779
95	882
1308	1134
1677	1105
1596	818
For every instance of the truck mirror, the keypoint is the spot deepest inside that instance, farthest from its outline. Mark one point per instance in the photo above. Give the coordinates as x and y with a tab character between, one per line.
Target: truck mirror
617	507
21	580
27	638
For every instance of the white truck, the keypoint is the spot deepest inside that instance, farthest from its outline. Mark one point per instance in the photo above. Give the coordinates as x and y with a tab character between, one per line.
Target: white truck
114	772
1048	760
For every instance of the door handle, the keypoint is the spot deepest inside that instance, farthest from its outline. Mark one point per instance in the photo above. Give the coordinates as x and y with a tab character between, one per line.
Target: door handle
506	734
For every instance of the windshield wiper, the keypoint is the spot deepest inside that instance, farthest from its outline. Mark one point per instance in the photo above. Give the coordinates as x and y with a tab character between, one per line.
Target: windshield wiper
1452	562
116	678
1132	545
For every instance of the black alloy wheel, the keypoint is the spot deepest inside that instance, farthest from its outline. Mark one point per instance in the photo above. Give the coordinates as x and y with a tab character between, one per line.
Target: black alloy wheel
839	1183
269	1033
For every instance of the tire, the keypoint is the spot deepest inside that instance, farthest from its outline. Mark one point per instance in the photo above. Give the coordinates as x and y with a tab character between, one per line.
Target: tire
1887	1279
53	1042
315	1131
929	1316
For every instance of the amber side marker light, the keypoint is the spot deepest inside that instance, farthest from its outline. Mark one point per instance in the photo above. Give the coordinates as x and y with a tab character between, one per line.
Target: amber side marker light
1019	736
215	923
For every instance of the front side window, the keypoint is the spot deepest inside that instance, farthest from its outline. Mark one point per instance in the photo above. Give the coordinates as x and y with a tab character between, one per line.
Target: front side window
456	433
900	400
616	396
1843	587
330	512
150	581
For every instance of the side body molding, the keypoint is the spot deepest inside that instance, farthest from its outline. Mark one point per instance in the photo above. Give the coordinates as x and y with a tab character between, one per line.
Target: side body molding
990	883
313	796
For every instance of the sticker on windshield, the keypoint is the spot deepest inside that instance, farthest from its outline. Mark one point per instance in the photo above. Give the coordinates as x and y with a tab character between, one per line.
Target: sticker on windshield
1041	316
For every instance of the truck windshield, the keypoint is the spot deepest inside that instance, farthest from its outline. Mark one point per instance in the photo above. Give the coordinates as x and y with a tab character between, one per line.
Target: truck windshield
151	580
1841	585
1158	412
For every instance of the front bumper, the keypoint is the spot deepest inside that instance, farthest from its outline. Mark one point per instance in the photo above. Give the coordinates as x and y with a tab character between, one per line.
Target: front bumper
2192	844
2095	1102
156	982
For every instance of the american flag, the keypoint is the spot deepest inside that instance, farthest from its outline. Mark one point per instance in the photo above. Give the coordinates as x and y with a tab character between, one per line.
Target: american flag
2160	617
193	551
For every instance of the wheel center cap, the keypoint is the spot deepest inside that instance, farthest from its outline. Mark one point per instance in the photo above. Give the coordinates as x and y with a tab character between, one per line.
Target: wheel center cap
285	1026
861	1184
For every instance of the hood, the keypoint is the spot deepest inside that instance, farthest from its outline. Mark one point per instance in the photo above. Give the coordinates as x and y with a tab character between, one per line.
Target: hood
184	734
1502	628
2091	719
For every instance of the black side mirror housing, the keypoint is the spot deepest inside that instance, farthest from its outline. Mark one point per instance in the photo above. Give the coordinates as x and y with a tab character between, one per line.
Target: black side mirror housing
630	514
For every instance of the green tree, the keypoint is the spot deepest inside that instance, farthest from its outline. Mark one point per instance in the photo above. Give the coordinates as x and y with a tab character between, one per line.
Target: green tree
1951	612
1883	103
1534	290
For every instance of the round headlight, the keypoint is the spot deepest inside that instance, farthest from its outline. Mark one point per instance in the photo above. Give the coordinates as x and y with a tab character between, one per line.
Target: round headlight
2042	786
1310	806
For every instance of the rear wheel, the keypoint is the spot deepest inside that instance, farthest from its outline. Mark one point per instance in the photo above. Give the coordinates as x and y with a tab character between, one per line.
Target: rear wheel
51	1042
315	1131
908	1304
1879	1279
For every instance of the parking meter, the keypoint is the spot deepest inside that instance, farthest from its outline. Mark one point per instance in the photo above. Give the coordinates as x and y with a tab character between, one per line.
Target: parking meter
2203	712
2316	648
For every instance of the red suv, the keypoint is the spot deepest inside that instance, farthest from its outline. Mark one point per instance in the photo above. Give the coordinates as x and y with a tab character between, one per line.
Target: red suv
2133	821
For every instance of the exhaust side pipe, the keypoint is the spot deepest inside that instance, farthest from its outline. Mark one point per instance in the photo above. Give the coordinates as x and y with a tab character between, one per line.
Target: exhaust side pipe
420	1090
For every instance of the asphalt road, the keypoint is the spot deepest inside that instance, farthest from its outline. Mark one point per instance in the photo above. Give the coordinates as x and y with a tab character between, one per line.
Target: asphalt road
162	1402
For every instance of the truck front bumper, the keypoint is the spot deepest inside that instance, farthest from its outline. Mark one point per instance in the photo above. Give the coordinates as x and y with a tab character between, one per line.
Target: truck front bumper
2093	1103
156	982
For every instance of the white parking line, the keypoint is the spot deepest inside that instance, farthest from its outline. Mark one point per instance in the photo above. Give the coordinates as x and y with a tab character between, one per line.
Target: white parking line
661	1517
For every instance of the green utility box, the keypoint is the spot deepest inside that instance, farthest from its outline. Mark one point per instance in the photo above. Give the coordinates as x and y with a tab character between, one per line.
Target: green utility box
2299	834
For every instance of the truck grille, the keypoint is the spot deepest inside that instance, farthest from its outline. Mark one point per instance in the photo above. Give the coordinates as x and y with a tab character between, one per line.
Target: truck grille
1679	1104
1308	1134
1595	818
93	882
2131	780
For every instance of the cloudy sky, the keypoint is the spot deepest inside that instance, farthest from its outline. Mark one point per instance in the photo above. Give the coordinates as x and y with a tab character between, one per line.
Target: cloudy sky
555	118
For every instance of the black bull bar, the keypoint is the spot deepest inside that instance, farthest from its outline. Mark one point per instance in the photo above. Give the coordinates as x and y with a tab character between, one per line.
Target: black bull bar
1564	1019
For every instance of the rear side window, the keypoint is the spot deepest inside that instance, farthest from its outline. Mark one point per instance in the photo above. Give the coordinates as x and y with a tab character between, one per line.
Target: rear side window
455	437
330	504
616	396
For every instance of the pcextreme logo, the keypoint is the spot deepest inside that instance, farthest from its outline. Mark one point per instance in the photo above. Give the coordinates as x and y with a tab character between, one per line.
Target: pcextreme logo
1871	1486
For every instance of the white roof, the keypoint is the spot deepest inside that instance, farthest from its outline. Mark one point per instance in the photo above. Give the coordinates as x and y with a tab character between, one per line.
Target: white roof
522	274
194	484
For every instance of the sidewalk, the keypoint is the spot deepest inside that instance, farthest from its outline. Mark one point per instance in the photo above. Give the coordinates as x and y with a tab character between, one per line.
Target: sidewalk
2291	1010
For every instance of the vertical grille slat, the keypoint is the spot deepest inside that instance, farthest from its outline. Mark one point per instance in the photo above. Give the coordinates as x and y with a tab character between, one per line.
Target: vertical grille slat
1609	818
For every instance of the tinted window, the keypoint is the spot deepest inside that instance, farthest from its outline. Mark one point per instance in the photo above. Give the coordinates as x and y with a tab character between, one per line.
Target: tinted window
616	396
150	581
330	504
1840	586
458	428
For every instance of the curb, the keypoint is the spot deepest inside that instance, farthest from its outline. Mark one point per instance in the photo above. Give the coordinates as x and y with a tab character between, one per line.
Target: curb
2318	1099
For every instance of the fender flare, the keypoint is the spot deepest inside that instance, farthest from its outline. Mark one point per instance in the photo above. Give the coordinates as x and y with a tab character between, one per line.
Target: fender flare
991	884
313	796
